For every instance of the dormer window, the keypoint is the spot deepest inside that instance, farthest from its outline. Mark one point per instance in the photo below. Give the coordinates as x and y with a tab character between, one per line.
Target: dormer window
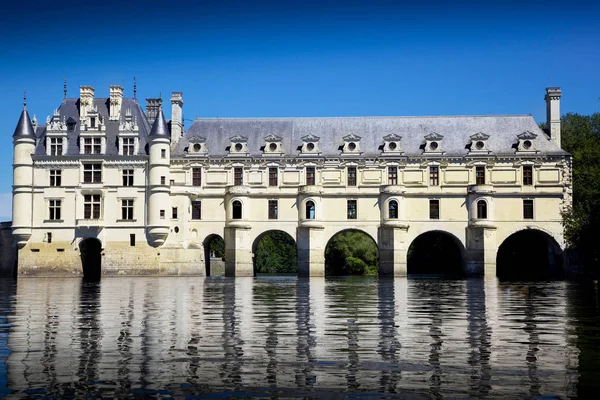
351	144
433	143
197	145
273	145
479	143
92	122
310	145
391	144
526	142
239	145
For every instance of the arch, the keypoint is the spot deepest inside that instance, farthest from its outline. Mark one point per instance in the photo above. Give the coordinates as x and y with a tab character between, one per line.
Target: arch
529	254
482	209
436	253
236	209
351	252
310	209
214	253
276	254
90	250
393	209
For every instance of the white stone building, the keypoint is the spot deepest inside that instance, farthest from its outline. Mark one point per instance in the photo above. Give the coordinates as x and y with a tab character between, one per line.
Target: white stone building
106	185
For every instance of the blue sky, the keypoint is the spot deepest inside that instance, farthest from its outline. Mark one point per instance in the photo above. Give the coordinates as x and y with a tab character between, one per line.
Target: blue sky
301	58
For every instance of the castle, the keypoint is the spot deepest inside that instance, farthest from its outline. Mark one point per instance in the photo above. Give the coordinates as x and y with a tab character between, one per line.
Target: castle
106	188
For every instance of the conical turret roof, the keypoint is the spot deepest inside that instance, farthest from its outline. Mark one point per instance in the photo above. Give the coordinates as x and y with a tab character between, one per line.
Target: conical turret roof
24	127
160	127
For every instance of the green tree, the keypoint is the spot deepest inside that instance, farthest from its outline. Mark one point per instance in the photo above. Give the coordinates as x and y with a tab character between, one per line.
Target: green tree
217	247
276	253
351	253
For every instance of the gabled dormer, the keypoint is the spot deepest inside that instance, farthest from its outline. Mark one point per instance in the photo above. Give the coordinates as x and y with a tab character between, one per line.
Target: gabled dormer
273	146
527	142
238	146
391	144
197	145
310	145
56	135
479	143
351	145
433	143
129	141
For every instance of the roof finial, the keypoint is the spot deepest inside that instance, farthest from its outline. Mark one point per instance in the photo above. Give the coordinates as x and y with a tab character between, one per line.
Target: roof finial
24	100
160	95
64	88
134	89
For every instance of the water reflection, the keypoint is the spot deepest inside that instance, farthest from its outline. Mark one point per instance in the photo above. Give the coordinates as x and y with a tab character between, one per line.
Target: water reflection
278	337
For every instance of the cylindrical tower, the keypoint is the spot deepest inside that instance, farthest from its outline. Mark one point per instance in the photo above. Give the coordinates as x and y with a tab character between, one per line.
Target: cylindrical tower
23	148
159	202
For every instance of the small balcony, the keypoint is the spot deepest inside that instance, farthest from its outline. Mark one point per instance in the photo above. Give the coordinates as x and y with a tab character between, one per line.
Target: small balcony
481	189
310	190
238	190
90	223
392	189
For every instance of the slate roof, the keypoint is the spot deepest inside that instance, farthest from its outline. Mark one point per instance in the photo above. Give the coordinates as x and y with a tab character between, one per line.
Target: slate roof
456	132
24	127
70	109
159	127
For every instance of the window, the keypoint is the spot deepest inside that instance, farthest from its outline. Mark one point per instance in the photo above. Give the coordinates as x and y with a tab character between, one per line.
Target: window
310	210
92	122
197	176
49	237
92	145
393	209
310	175
392	175
163	153
273	172
174	212
92	173
238	176
351	176
127	209
162	214
272	209
56	146
351	208
127	177
434	209
163	180
91	206
434	176
237	210
527	175
196	209
55	210
527	209
132	239
55	177
481	209
128	146
480	175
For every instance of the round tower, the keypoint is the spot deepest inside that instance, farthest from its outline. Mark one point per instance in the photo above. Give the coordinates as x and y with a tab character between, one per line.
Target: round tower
23	148
159	202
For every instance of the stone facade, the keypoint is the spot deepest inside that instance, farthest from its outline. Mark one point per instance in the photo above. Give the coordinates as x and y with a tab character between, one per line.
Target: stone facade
153	194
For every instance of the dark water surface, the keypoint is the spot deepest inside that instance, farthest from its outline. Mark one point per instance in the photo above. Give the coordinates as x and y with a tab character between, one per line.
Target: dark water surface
291	337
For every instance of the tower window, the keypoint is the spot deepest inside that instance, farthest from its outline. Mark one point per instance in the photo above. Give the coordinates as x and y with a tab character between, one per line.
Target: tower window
527	209
480	175
162	214
273	174
434	209
434	176
351	176
310	175
236	209
527	175
351	209
393	209
481	209
163	180
196	209
310	210
55	177
392	175
163	153
238	176
273	209
127	177
174	212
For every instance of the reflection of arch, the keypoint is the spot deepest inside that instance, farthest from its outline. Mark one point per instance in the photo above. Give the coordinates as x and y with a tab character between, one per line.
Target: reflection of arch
393	209
310	209
436	252
212	255
481	209
529	254
236	209
336	262
277	254
91	258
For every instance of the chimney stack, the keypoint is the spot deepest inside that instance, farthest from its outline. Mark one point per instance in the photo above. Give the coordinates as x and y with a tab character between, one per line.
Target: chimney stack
176	117
152	107
115	102
86	100
552	98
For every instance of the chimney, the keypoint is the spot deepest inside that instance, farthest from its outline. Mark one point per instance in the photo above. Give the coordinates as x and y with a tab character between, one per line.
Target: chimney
86	100
152	107
176	117
552	98
116	99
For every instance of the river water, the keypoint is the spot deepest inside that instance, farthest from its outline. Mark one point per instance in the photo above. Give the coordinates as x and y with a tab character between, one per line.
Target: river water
278	337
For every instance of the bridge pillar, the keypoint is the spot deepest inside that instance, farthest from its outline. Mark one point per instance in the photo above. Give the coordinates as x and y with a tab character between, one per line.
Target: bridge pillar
238	251
311	251
481	251
393	248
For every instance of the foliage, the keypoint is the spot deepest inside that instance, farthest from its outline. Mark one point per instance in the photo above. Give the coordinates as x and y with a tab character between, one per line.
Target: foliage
581	137
217	247
351	253
276	254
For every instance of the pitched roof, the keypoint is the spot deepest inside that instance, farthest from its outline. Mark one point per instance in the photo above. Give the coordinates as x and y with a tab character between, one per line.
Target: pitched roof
160	127
456	132
24	127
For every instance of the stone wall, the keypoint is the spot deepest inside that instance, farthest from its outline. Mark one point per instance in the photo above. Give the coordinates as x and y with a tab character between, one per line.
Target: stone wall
8	252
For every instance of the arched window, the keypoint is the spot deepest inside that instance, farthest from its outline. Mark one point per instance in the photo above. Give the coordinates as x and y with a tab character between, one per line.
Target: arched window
393	209
481	209
237	209
310	210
